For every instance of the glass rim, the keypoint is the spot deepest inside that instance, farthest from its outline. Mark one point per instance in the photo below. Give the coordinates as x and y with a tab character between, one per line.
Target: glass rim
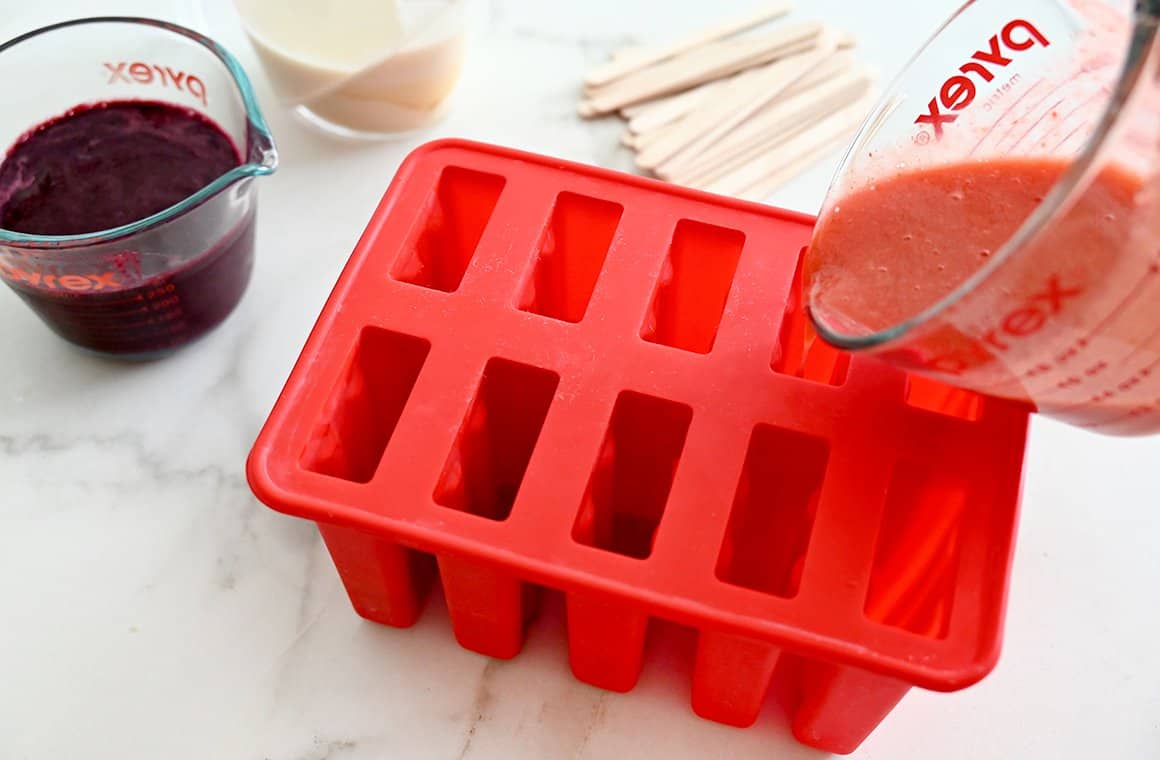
1141	39
258	136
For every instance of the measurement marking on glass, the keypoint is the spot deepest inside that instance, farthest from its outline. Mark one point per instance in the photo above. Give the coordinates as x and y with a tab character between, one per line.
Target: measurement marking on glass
1010	110
1070	135
1147	371
1026	115
1037	122
1146	343
1084	105
1079	344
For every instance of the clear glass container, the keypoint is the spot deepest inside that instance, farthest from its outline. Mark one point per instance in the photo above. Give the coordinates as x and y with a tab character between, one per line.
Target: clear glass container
143	289
996	223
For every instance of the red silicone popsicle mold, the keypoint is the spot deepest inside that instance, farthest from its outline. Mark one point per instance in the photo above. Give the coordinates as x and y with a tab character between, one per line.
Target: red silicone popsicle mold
547	374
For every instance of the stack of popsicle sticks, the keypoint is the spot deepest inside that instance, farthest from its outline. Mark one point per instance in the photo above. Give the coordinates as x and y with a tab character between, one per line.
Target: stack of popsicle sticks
736	108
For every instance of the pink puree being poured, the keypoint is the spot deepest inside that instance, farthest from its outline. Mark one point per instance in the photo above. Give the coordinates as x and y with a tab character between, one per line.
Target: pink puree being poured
1055	329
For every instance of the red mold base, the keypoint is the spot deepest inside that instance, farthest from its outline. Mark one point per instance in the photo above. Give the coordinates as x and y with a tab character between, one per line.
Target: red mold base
547	374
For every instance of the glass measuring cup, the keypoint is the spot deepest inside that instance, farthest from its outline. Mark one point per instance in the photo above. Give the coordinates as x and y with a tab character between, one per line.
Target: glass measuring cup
143	289
996	223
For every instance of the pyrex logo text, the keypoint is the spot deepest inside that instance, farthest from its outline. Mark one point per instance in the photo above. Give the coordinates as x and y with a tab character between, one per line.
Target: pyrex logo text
144	73
959	91
1027	318
75	282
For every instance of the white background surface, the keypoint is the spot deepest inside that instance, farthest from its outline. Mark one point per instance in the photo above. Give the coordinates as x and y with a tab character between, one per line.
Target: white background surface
150	608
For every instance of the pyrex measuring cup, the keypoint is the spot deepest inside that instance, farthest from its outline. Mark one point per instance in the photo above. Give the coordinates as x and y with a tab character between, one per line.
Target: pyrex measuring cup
145	288
996	224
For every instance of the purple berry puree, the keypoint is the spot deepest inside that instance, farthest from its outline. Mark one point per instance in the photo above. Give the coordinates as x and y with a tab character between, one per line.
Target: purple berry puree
109	164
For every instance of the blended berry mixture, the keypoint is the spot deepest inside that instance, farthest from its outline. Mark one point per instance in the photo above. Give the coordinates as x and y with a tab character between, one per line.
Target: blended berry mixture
105	165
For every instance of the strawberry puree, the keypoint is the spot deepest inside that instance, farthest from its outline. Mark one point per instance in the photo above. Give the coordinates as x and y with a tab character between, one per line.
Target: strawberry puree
1070	322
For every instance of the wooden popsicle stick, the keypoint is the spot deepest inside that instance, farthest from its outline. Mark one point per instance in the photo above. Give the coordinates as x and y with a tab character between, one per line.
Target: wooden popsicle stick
751	151
761	189
634	60
833	66
645	139
710	62
630	112
676	137
847	40
704	59
701	65
775	126
760	173
715	61
759	146
700	53
705	126
777	116
744	84
656	113
628	139
741	79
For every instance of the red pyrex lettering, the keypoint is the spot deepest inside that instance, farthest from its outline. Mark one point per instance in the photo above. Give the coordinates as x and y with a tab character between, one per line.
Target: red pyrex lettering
127	72
959	91
79	283
1025	320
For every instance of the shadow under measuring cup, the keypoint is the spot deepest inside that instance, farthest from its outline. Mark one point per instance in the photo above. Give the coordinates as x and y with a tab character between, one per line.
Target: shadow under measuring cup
996	224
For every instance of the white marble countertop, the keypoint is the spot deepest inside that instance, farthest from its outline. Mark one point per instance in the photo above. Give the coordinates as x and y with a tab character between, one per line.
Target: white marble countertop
151	608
